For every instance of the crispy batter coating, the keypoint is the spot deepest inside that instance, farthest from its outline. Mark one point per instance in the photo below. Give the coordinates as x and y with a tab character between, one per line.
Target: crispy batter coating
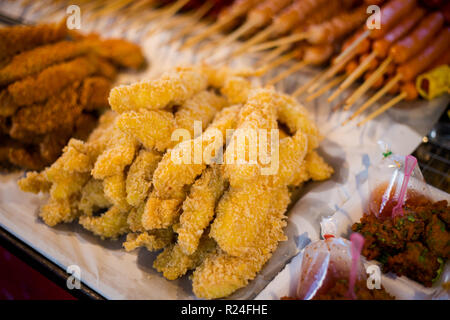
153	240
236	89
20	38
172	88
198	208
7	105
115	190
139	176
153	128
161	213
51	81
317	168
174	263
170	178
111	224
59	210
94	93
30	62
44	118
93	198
119	153
35	182
221	274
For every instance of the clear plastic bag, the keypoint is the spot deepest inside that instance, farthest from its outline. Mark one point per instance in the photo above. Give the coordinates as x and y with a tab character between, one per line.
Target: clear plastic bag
326	261
386	180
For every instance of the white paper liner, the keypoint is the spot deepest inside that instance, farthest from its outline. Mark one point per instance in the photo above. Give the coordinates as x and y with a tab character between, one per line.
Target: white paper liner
116	274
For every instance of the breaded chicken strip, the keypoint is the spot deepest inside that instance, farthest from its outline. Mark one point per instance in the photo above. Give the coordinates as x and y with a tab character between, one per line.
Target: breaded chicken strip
115	190
111	224
93	198
198	208
152	240
43	118
221	274
172	88
170	178
119	153
161	213
139	176
30	62
51	81
7	105
94	93
173	263
59	210
20	38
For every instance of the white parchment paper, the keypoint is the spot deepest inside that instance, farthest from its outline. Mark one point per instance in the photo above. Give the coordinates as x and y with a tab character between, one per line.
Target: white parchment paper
115	274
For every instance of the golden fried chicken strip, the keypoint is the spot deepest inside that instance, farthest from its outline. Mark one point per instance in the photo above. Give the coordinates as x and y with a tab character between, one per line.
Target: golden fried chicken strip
161	213
35	182
20	38
94	93
59	210
203	106
115	190
139	176
153	240
93	198
174	263
236	89
172	88
220	273
135	218
259	113
153	128
51	81
111	224
170	178
44	118
121	52
7	105
119	153
30	62
296	117
198	208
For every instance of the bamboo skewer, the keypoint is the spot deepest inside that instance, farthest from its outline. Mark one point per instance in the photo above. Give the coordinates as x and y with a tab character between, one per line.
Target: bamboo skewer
247	26
367	84
383	108
284	58
352	46
167	14
307	85
380	93
279	42
272	55
326	87
196	17
353	76
257	38
296	67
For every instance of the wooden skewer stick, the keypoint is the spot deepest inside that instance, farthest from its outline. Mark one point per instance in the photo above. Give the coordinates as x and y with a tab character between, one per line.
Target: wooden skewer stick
296	67
374	98
353	76
192	25
167	15
235	34
303	88
367	84
284	58
326	87
257	38
279	42
109	8
206	33
272	55
352	46
383	108
330	73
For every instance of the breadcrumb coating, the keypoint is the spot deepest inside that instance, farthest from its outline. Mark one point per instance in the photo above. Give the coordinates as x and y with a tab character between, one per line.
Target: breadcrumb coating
317	168
56	211
236	89
111	224
161	213
174	263
30	62
139	176
94	93
119	153
93	198
153	128
172	88
34	182
115	190
49	82
152	240
198	208
20	38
